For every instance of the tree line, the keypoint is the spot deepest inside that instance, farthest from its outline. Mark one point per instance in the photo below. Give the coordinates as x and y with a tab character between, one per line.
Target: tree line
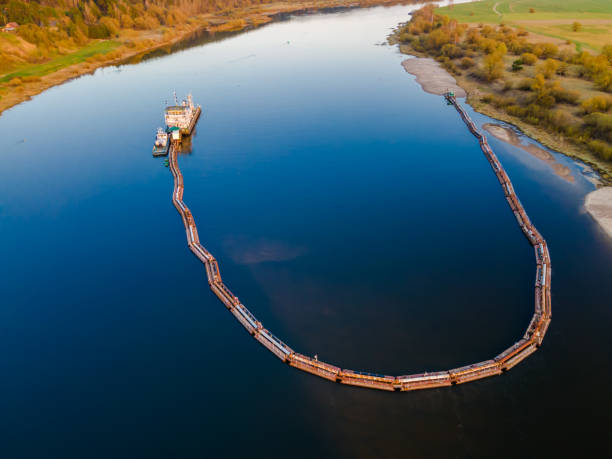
57	27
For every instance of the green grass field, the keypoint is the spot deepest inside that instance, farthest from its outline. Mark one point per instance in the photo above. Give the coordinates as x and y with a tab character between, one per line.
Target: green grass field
551	18
38	70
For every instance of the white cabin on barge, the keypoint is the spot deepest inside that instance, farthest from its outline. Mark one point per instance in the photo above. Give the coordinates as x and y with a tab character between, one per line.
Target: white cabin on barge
182	116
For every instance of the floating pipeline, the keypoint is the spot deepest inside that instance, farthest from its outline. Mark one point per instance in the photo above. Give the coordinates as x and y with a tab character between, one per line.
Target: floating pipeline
527	345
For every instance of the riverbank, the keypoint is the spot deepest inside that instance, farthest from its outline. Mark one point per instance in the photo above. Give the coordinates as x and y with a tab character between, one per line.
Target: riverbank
551	140
599	204
131	43
429	77
545	90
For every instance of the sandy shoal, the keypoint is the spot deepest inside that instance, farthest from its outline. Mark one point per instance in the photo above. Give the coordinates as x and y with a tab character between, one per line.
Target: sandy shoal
432	78
599	204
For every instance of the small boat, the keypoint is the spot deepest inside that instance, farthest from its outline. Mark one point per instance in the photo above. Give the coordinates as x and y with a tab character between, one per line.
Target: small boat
161	143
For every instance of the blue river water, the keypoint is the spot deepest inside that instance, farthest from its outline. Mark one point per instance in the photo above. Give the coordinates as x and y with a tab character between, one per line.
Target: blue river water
354	214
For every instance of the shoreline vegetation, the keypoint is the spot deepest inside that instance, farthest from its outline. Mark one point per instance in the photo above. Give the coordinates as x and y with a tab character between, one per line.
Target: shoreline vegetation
552	92
59	40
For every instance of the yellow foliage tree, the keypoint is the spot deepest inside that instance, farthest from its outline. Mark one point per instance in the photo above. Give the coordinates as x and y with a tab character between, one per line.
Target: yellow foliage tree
494	63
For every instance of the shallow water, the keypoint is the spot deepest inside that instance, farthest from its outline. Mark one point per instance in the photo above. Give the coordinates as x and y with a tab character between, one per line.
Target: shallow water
354	214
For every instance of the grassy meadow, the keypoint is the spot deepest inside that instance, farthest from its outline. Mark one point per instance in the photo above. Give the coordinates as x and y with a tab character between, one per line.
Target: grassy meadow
61	61
550	18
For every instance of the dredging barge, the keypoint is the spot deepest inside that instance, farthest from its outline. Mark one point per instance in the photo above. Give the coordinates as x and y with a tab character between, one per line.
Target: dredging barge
520	350
180	120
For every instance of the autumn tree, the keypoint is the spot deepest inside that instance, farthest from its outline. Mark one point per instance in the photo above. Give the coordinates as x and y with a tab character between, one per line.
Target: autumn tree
494	63
548	68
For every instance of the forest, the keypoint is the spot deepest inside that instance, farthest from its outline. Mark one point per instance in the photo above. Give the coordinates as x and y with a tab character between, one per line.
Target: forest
57	27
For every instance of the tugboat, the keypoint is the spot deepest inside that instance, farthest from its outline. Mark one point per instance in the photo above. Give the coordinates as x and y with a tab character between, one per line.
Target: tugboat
161	143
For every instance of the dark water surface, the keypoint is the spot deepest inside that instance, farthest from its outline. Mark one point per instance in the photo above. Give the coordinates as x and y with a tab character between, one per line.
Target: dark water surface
354	214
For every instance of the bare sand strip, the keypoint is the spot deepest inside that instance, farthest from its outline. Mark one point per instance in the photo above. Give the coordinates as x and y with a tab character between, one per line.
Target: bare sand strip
599	204
432	78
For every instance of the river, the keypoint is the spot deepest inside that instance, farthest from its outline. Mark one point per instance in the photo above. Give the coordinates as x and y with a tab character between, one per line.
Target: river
353	213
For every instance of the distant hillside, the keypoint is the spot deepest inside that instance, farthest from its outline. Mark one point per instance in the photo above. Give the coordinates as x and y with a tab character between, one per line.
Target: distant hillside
78	20
142	13
51	28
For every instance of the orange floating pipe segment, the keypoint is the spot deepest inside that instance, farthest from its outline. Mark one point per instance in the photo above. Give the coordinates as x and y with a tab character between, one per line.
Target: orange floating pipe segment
424	380
475	371
370	380
507	359
314	366
247	322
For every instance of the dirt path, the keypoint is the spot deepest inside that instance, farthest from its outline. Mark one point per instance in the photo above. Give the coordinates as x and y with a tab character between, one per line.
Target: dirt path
495	9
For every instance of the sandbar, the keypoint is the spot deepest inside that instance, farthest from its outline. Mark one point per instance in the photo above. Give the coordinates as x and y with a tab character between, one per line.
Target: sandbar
599	204
432	78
